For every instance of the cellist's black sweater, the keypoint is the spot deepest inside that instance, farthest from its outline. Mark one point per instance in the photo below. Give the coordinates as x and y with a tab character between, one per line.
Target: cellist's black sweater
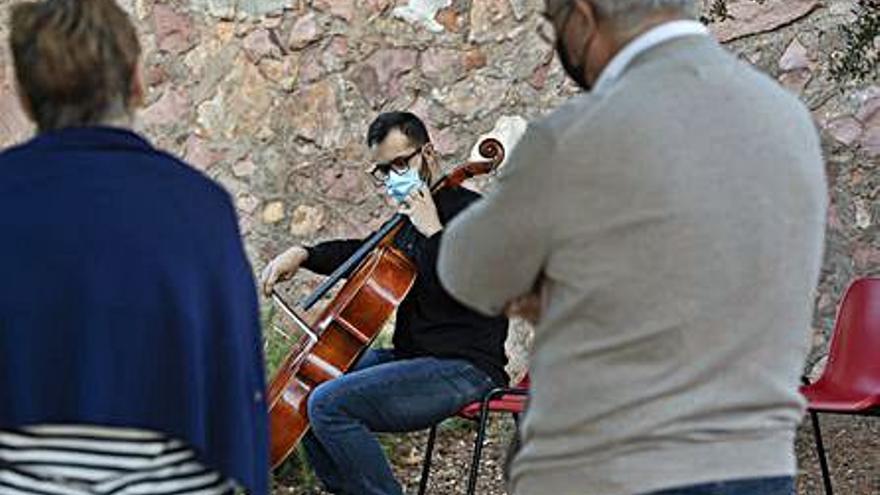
429	321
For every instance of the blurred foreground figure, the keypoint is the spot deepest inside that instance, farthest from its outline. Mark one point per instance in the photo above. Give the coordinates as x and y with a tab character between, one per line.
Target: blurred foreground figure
129	336
672	221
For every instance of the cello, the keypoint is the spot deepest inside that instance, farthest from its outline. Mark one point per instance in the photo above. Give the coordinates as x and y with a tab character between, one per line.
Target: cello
378	278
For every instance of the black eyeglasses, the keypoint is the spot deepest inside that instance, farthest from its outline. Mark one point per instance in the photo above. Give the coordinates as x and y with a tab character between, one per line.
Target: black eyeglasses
400	164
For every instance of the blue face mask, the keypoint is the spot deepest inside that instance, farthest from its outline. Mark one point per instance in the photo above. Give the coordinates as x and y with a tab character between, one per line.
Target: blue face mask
399	185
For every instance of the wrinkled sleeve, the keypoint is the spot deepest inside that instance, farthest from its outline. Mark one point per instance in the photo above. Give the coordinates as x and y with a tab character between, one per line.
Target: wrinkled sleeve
324	258
495	250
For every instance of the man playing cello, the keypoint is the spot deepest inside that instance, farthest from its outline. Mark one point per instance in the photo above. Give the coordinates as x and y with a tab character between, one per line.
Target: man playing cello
445	355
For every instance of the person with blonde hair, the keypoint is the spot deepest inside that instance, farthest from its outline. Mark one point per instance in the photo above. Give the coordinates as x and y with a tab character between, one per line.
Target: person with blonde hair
130	356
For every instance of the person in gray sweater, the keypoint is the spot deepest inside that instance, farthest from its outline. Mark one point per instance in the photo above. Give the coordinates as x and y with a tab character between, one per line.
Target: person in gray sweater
671	219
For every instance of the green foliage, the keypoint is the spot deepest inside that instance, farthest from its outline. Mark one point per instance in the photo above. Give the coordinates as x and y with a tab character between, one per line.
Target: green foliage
861	54
274	345
860	57
458	424
296	472
717	12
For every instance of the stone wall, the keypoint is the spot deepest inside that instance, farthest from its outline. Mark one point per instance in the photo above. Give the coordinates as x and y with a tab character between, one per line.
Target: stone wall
272	99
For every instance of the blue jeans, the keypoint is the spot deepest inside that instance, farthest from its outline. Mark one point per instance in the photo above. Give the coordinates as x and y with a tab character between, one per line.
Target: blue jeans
387	395
783	485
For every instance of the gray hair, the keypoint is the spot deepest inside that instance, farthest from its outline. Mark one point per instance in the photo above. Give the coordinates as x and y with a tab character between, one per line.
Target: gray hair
628	15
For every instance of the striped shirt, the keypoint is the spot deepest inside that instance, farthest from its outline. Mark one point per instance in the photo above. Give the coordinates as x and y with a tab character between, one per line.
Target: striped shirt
97	460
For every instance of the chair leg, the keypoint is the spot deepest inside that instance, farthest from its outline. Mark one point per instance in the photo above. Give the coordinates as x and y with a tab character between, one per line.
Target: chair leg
426	465
820	448
512	450
478	449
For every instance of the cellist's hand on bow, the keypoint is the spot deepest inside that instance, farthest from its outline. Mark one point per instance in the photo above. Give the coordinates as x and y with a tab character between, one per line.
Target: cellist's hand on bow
419	206
282	268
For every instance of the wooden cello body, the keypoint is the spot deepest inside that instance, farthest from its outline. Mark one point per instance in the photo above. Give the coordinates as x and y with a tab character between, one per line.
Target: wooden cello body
379	276
345	330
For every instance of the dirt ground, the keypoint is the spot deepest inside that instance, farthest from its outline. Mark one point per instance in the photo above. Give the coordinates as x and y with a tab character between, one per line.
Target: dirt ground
853	444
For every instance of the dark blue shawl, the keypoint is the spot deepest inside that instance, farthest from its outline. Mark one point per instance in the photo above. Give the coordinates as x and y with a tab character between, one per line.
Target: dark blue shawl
126	299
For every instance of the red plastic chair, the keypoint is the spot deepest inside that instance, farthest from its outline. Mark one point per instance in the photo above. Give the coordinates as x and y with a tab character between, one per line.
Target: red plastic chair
500	400
850	382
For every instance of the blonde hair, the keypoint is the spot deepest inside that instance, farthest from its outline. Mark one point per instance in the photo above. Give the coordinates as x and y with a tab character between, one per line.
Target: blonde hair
74	60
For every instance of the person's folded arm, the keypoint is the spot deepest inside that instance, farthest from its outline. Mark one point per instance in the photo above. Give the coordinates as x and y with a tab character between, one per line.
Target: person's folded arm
495	251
